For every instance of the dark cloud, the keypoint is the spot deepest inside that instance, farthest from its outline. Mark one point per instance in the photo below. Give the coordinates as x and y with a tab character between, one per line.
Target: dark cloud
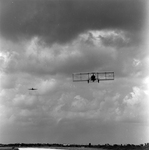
61	21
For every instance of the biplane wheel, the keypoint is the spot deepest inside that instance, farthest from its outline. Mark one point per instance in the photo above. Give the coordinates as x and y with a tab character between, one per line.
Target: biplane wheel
88	81
98	80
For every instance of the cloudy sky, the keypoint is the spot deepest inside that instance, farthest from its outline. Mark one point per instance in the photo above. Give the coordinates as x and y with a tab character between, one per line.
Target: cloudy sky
42	42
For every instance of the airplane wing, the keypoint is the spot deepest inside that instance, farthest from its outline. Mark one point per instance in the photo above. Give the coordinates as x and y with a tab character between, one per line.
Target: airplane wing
105	76
77	77
84	76
32	89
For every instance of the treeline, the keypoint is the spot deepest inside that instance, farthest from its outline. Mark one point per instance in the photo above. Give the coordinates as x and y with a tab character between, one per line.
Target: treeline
105	146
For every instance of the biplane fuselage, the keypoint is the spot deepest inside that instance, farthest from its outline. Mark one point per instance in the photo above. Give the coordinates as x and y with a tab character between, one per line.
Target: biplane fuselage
93	76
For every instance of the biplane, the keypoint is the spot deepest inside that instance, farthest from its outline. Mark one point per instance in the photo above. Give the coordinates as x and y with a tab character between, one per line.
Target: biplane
32	89
92	76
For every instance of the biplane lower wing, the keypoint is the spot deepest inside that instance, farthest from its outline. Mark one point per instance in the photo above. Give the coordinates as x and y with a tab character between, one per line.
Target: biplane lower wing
99	76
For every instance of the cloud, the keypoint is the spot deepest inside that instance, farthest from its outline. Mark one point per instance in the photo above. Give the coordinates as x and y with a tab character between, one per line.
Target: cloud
117	39
84	54
57	58
47	86
136	108
49	69
60	22
7	81
73	110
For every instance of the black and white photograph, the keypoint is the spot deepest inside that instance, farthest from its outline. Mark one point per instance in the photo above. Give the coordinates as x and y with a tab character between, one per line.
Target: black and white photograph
74	74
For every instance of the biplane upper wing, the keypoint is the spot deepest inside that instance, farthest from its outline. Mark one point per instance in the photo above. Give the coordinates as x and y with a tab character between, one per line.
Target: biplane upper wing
101	76
80	77
105	76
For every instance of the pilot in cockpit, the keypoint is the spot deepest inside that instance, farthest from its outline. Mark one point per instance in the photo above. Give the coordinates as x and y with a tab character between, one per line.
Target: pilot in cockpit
93	78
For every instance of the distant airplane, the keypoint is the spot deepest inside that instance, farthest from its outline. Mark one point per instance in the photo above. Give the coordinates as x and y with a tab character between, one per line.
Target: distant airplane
93	76
32	89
